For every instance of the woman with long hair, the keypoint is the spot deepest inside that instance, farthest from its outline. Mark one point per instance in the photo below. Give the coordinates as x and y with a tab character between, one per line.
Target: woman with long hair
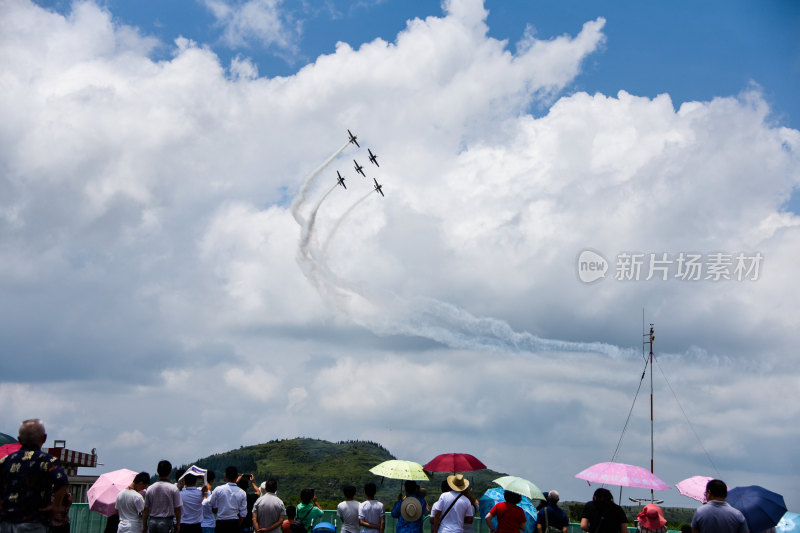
602	515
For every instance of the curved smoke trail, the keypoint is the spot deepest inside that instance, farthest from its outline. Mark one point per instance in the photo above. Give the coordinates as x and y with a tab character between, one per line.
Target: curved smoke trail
315	270
338	223
307	229
303	194
386	313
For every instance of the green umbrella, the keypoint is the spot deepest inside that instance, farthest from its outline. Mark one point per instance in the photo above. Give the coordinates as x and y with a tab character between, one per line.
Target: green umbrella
520	486
398	469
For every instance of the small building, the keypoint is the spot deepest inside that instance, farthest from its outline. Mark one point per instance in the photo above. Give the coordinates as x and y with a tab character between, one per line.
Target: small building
70	461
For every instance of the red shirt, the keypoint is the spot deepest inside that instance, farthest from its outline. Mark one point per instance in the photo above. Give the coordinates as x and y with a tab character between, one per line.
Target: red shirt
510	517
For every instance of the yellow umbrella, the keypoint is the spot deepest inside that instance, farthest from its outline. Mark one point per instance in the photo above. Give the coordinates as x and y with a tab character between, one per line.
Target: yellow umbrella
398	469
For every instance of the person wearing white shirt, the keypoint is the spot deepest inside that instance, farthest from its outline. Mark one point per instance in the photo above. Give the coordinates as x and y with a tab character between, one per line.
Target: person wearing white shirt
209	520
130	504
436	506
347	511
455	509
230	502
371	514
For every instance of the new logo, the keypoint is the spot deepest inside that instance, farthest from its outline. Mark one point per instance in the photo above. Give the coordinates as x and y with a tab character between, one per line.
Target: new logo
591	266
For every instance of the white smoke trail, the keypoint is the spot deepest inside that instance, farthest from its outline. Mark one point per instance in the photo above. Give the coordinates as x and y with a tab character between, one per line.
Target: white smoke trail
303	194
457	328
308	255
307	229
338	224
386	313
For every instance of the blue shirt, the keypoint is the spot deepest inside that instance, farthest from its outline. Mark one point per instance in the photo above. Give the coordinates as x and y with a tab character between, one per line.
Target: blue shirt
719	517
409	527
552	516
192	498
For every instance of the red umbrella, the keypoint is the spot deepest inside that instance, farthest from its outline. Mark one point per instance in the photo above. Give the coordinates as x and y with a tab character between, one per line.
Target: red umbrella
454	462
7	449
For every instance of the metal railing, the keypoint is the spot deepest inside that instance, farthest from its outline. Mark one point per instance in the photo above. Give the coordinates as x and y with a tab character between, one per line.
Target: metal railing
82	520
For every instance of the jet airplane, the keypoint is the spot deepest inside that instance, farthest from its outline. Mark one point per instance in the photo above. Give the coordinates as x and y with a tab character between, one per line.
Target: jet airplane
378	186
373	157
359	168
353	139
341	180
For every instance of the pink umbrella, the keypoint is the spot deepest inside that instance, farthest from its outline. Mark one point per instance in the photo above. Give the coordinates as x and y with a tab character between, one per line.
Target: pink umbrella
623	475
103	494
694	487
454	462
7	449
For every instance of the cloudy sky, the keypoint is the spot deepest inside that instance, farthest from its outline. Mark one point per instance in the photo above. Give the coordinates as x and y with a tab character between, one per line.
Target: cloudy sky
181	275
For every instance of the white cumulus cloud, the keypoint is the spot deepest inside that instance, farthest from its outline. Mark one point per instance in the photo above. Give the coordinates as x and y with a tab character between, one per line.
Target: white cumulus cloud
151	222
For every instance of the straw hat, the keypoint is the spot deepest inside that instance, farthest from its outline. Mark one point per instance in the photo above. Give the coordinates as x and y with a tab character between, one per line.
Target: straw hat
458	482
652	517
411	509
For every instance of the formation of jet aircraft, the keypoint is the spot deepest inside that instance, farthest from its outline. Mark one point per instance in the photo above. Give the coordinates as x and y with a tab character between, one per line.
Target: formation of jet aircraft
360	168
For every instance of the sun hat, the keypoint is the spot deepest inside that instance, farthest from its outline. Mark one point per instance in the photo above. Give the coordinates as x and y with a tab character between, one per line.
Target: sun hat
411	509
458	482
651	517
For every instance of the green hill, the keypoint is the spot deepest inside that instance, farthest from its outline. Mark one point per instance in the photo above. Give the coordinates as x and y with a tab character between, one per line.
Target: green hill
326	466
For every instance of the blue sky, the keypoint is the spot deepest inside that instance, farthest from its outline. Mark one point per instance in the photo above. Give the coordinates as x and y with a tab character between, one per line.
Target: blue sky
171	232
689	50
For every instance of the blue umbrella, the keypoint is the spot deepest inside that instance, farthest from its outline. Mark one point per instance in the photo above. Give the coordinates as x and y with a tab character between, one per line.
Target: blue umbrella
790	523
762	508
495	495
324	526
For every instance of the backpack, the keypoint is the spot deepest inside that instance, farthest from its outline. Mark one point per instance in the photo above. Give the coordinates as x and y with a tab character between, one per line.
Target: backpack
296	526
548	527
